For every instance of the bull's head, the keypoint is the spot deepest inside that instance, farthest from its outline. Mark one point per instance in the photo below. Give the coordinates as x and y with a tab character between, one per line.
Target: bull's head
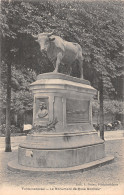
44	40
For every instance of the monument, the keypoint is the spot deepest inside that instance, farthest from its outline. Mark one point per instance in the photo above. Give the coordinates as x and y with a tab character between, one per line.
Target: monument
62	138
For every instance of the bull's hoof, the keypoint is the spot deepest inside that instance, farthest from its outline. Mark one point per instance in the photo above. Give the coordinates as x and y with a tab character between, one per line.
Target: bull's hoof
55	71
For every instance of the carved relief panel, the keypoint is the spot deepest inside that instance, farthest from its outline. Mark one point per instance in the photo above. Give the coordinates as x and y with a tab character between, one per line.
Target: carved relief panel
42	109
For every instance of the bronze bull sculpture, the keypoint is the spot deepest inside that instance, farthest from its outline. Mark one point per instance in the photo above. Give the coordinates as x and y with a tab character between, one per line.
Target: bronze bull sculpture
60	51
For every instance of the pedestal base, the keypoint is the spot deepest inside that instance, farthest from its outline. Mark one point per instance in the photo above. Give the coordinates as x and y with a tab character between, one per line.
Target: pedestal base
60	152
14	166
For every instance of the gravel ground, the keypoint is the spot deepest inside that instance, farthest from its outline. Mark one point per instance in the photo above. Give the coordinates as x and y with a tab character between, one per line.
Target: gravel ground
103	177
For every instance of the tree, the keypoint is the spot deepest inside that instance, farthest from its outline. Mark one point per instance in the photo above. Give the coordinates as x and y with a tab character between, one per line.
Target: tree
19	21
9	54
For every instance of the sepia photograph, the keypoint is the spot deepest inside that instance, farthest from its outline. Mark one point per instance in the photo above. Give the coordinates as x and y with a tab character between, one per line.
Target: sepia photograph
62	97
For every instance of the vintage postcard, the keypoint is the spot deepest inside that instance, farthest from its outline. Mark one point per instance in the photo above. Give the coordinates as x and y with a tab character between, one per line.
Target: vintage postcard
62	97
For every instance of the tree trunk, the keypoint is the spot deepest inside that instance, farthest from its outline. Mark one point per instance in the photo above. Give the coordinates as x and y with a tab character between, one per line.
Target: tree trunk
0	95
101	111
8	106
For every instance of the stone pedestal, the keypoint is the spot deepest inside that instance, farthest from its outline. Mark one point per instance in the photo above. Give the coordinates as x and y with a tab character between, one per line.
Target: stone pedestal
73	144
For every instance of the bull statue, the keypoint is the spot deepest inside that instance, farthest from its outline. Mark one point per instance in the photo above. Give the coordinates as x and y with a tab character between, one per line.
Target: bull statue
60	51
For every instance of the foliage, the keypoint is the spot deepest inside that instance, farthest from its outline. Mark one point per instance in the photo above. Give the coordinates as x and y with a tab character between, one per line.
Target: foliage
21	97
95	107
114	107
22	100
13	129
110	106
96	25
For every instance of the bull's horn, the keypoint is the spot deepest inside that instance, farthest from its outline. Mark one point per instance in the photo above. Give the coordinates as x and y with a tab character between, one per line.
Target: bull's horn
52	39
50	34
35	36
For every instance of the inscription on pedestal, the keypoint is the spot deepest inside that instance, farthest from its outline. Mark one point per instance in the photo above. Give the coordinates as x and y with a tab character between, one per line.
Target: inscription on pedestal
77	111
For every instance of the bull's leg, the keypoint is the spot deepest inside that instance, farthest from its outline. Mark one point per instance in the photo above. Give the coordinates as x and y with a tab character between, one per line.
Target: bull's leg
81	68
70	70
54	63
59	59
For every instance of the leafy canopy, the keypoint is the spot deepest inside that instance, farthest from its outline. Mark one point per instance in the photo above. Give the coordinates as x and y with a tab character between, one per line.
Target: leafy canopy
97	26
